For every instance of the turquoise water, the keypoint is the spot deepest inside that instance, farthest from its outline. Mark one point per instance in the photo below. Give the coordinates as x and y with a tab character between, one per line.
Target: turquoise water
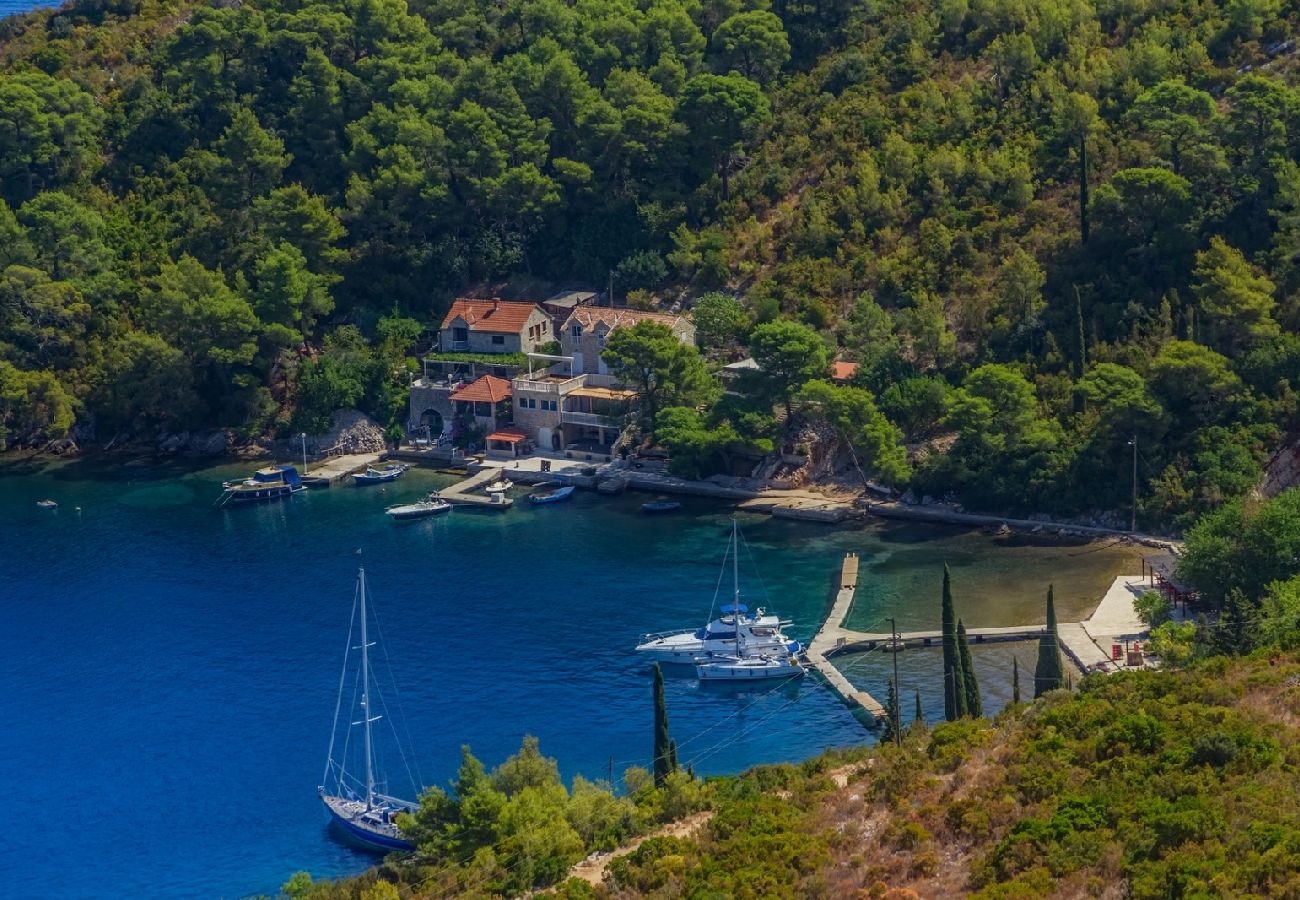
171	668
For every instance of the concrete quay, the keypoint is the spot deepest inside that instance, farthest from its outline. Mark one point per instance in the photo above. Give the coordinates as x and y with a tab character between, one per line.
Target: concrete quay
824	643
334	469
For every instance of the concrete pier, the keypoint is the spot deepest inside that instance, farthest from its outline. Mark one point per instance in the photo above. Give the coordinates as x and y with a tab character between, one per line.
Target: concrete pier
336	468
1087	644
470	491
827	641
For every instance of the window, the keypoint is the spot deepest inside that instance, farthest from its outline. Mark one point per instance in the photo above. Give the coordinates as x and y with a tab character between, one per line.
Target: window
553	405
498	339
576	331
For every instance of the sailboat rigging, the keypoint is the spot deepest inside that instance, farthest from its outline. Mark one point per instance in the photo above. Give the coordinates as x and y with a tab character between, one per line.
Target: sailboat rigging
368	818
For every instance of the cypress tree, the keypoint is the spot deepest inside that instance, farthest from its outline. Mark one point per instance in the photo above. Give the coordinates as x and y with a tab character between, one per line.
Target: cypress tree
919	719
973	705
954	690
672	756
662	744
1048	675
889	733
1015	680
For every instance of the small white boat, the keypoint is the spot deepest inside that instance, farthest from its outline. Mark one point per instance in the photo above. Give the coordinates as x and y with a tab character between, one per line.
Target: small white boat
420	509
500	486
378	475
47	504
744	668
552	494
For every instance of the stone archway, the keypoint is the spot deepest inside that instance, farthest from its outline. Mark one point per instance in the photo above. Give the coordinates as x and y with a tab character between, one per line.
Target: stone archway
432	419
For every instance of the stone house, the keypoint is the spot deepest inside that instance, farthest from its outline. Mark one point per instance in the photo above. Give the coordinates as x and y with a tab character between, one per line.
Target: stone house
579	415
494	326
585	331
485	403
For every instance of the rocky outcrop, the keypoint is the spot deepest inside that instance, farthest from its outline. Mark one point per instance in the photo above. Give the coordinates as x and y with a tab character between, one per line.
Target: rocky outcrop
350	432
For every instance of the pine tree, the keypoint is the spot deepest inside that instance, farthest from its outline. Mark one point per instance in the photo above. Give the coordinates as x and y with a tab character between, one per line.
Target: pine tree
954	690
919	718
973	705
1015	680
663	747
889	733
1048	675
1233	636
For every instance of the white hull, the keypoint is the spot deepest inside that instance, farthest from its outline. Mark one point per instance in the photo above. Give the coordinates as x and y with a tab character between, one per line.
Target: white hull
760	634
749	668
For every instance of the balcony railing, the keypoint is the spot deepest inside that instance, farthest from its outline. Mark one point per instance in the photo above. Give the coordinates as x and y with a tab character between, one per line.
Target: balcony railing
457	346
585	418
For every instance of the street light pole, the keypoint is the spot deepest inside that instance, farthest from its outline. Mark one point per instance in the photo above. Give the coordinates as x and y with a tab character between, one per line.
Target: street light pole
898	693
303	435
1133	517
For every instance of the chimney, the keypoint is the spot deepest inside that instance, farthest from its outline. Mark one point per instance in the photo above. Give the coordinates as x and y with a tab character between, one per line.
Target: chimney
495	303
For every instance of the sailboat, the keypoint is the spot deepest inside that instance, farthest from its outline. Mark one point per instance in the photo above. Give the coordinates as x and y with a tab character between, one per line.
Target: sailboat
745	661
356	806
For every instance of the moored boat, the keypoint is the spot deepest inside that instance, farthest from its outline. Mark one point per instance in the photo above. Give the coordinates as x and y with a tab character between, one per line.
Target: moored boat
429	506
551	494
269	483
47	504
357	807
660	506
761	633
378	475
744	668
500	486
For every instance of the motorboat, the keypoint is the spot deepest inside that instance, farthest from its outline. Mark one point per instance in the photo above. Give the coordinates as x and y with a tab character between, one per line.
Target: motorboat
660	506
357	806
749	666
420	509
760	632
373	475
500	486
47	504
270	483
551	494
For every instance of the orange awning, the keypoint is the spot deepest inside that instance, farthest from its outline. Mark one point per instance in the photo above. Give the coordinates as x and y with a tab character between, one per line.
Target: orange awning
509	437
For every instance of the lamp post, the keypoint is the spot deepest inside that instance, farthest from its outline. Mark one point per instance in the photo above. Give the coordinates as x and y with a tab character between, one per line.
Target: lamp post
1133	516
303	436
895	712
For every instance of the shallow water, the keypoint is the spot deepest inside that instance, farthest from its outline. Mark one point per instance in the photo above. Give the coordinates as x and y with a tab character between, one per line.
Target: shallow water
171	667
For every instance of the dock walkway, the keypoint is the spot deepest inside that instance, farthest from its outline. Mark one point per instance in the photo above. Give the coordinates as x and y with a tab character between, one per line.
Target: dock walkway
1085	643
827	640
336	468
468	492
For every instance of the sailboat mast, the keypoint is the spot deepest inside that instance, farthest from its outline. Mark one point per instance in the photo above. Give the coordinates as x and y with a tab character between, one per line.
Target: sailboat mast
735	580
365	693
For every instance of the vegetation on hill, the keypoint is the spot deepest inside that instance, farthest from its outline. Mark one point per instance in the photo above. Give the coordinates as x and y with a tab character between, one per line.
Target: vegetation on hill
1044	230
1146	785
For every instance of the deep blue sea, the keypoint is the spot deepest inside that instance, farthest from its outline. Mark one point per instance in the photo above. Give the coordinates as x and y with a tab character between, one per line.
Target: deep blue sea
10	7
170	669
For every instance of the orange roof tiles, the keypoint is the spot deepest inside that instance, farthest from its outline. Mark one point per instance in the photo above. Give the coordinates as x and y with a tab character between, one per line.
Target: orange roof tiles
843	371
499	316
614	317
488	389
508	435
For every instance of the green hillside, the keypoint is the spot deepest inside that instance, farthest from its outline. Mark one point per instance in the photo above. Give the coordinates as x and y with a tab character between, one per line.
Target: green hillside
1044	229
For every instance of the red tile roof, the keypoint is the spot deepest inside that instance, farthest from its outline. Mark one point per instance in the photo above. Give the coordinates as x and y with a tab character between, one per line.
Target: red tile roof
614	317
497	316
509	435
843	371
488	389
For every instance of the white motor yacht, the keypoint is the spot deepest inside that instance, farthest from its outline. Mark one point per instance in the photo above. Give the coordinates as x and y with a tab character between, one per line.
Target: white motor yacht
759	633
